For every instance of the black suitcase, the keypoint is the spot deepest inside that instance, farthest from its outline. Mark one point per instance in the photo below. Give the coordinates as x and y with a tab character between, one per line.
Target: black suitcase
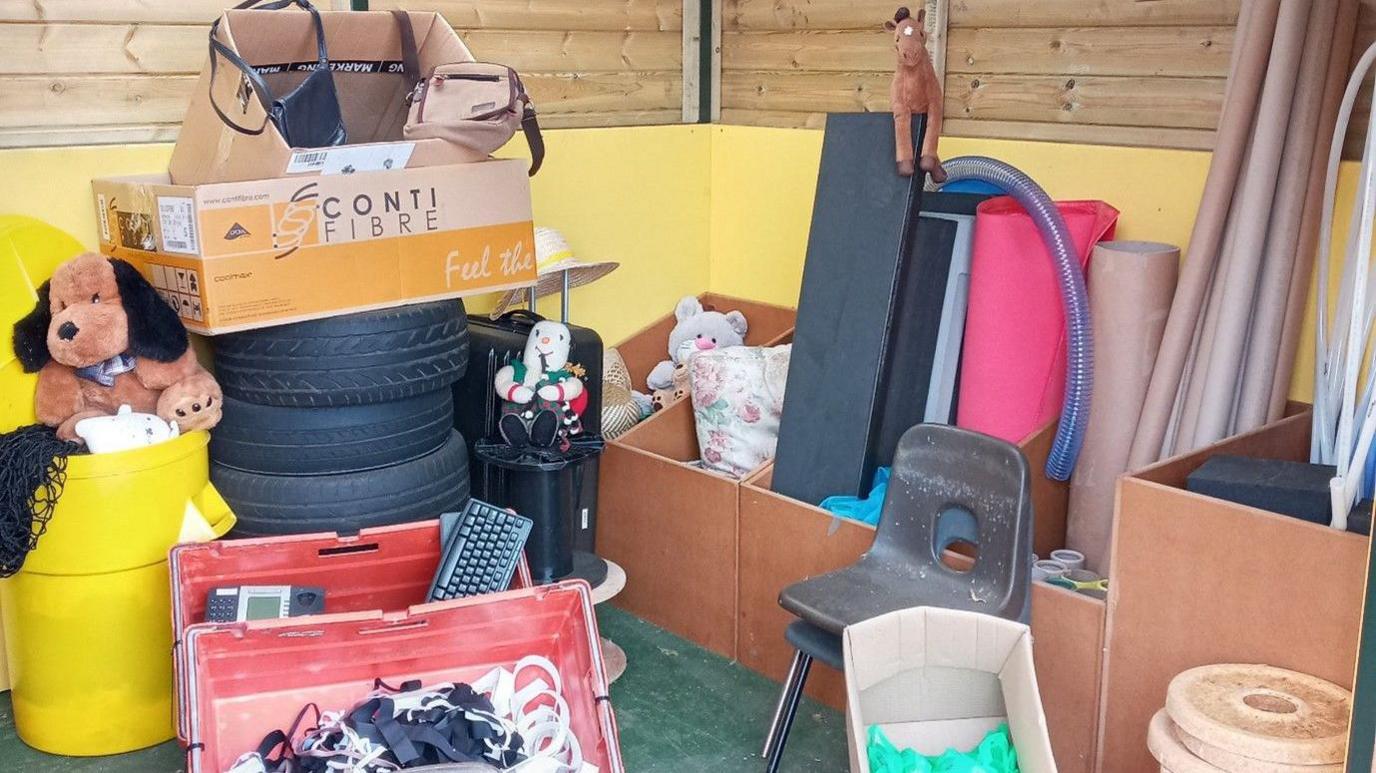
493	343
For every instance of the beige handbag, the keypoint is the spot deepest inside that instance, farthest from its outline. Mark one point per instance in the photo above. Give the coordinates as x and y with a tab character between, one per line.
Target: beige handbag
477	105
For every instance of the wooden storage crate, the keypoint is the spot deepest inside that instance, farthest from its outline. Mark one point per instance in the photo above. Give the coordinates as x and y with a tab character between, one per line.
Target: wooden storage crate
670	525
1198	580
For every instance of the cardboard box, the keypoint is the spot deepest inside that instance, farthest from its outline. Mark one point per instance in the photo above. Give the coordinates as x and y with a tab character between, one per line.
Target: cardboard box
1198	580
365	56
934	679
236	256
782	541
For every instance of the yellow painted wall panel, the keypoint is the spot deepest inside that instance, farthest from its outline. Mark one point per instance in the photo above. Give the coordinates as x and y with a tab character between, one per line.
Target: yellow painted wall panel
763	181
635	195
693	208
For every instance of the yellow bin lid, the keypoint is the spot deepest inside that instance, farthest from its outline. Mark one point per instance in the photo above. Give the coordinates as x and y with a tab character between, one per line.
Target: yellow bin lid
30	251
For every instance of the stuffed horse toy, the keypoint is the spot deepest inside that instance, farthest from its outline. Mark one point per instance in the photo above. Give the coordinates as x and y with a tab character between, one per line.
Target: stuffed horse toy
101	338
543	396
915	90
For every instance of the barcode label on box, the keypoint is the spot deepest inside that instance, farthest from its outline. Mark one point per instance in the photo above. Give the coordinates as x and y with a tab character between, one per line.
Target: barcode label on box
177	216
103	217
307	161
353	158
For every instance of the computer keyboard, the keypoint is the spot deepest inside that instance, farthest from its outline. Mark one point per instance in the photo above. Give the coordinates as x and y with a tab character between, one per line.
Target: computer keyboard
481	552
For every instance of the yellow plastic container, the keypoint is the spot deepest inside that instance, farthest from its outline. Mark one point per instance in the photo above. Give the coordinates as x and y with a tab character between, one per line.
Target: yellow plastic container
125	510
88	621
90	659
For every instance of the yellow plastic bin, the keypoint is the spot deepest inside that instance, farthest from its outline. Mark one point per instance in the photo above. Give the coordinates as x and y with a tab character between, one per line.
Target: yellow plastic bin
87	622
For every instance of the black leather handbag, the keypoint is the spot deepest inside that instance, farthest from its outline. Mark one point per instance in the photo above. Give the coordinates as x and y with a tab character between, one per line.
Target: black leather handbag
308	116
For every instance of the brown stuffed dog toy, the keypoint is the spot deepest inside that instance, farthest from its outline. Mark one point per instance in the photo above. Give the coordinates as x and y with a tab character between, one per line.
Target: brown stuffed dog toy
915	90
101	337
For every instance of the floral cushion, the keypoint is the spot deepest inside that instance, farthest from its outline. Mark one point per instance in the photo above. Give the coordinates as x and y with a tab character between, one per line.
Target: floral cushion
738	395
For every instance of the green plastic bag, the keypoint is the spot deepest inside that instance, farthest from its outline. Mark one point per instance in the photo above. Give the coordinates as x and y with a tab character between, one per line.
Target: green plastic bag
995	754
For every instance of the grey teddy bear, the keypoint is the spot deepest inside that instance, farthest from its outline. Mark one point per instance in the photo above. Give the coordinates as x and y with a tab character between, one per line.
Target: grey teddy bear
698	329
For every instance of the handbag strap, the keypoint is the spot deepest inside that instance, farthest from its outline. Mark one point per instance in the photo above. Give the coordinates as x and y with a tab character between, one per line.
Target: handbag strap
256	83
410	55
530	126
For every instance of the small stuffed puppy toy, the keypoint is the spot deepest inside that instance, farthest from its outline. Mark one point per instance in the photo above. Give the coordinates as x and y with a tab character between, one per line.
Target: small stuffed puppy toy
100	338
542	394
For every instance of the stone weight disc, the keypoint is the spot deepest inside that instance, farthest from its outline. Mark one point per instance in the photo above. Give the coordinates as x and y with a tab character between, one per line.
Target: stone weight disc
1262	713
1236	763
1165	746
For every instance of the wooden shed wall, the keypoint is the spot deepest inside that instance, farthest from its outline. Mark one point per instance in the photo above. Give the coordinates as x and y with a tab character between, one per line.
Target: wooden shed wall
1122	72
1102	71
585	62
106	71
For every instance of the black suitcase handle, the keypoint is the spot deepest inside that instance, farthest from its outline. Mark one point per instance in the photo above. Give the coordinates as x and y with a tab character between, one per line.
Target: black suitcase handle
522	315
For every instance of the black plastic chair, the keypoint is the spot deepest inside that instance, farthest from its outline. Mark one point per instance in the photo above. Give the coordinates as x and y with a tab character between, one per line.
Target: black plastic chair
948	486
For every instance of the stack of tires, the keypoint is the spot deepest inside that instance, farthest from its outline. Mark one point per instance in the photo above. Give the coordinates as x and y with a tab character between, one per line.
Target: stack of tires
342	423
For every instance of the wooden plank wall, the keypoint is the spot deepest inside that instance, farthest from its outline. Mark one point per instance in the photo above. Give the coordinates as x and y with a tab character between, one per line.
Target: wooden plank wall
1108	71
114	71
585	62
98	71
1126	72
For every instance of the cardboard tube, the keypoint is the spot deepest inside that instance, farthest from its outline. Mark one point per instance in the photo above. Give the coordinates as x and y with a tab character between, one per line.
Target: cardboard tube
1258	197
1201	348
1283	233
1340	55
1234	125
1130	290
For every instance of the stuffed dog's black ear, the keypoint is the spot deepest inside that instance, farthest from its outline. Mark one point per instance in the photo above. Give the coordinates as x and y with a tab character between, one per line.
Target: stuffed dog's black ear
31	334
155	330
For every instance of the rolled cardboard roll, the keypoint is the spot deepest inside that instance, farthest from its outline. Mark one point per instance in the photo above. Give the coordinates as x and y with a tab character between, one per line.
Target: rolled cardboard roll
1234	130
1283	232
1130	289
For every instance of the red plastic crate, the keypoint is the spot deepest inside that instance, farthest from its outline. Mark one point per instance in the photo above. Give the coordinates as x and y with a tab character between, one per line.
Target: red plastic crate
387	568
248	679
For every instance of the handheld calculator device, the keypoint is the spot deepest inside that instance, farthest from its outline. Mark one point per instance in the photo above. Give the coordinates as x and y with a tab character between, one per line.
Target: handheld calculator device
262	602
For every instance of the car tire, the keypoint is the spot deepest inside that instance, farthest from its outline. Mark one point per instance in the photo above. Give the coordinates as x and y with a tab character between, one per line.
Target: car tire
417	490
332	439
353	359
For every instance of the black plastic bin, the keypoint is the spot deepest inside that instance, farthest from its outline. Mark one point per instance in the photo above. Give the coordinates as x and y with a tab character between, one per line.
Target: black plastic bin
545	485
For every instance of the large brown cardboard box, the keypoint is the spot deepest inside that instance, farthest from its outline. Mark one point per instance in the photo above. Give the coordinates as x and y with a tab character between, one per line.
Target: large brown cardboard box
365	59
235	256
783	541
1198	580
672	526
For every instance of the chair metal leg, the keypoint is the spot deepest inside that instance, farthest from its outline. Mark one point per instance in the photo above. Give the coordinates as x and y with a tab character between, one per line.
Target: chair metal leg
787	709
783	701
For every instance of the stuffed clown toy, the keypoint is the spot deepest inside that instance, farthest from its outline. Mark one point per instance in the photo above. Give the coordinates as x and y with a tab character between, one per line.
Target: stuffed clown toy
542	394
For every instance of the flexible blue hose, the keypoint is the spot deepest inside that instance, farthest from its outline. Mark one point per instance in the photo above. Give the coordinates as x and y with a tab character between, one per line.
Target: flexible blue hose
1079	377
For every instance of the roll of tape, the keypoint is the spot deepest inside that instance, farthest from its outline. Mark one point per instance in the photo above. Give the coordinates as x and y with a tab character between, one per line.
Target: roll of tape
1046	569
1073	559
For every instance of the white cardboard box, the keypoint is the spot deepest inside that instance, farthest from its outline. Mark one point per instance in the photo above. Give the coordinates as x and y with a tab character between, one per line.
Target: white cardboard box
935	679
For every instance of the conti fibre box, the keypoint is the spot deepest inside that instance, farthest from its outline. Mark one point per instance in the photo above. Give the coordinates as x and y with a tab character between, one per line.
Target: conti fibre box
241	255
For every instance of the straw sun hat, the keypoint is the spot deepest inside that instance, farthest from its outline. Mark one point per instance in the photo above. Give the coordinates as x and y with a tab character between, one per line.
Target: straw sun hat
554	257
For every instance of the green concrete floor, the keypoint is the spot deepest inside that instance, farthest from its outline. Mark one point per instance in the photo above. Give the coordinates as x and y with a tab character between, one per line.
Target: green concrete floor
681	709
